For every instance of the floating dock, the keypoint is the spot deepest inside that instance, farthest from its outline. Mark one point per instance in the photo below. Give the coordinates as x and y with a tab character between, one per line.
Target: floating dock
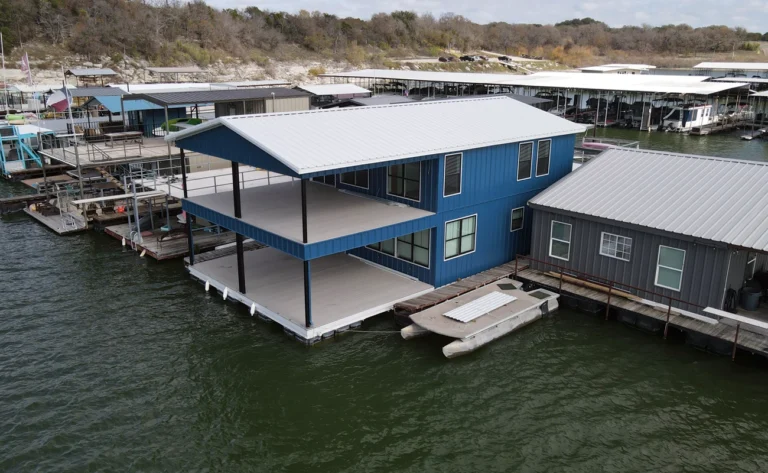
706	333
482	315
161	244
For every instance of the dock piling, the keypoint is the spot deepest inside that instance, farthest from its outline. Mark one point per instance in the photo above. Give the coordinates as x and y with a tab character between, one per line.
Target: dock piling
735	342
608	305
666	325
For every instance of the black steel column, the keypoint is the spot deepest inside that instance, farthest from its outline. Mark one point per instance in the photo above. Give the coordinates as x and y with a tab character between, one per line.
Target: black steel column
307	269
183	172
238	237
189	240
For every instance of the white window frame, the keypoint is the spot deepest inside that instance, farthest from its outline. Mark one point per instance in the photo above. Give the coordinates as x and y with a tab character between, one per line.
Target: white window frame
394	256
682	270
511	219
552	238
602	236
400	196
549	158
445	242
461	174
517	171
367	171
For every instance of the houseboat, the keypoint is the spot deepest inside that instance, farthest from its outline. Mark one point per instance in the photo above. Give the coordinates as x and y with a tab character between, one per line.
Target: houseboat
683	118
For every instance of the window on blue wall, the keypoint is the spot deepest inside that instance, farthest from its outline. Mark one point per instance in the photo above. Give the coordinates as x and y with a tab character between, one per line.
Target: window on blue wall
414	248
452	184
330	179
404	180
524	160
460	237
542	157
386	247
516	223
355	178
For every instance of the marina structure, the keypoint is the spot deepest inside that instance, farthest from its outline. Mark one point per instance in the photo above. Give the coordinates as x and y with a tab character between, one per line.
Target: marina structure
636	101
429	193
733	69
330	94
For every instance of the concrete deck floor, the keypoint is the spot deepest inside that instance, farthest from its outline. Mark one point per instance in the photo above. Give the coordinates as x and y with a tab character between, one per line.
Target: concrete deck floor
345	289
330	213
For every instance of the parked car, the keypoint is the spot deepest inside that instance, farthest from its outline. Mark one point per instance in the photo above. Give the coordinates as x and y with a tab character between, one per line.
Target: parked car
482	58
504	59
442	59
467	58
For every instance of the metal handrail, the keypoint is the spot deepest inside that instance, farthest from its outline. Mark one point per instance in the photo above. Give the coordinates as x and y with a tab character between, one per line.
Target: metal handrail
609	284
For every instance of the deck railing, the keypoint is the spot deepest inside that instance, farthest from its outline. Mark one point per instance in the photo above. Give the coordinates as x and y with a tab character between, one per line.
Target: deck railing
609	284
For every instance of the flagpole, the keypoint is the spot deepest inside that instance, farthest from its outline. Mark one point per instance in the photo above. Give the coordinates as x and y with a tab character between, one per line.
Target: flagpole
74	133
5	84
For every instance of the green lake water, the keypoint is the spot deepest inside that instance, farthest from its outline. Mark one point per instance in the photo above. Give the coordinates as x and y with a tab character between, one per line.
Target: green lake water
110	362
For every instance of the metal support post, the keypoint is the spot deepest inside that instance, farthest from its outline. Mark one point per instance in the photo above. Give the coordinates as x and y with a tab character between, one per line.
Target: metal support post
238	237
183	173
307	295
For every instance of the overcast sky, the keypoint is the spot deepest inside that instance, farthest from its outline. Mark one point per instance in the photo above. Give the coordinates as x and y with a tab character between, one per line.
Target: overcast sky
750	14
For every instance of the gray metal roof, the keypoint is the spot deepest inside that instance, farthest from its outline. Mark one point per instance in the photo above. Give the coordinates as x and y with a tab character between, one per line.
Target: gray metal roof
717	199
381	100
213	96
95	91
83	72
323	140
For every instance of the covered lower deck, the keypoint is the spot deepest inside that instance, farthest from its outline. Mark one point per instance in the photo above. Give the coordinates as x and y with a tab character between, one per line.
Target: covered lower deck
345	290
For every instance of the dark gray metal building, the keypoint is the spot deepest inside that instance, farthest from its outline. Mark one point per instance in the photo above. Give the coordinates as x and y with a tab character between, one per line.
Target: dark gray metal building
657	224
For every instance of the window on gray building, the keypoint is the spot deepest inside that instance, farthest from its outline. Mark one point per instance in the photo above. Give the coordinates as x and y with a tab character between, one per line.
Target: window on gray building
518	215
404	180
542	157
355	178
615	246
524	159
560	240
460	237
669	267
452	184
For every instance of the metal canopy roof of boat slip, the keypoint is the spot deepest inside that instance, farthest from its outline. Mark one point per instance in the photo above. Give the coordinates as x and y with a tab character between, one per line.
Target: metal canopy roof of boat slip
644	83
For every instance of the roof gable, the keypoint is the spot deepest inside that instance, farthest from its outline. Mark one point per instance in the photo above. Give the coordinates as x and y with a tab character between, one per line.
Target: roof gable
321	140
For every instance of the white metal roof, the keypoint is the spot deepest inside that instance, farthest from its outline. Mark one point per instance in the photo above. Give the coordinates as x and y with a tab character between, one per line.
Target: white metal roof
618	67
733	66
760	94
693	85
163	87
717	199
38	87
321	140
250	83
333	89
751	80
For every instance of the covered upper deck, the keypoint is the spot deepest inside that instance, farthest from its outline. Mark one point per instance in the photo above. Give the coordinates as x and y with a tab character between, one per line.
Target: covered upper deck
337	220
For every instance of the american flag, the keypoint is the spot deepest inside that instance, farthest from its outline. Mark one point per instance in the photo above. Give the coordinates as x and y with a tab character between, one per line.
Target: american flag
25	68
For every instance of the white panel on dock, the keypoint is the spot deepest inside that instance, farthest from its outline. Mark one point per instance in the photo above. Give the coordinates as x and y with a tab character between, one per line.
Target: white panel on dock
479	307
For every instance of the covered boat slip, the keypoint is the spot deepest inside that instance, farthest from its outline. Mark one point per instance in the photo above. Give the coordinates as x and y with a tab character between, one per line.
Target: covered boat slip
345	289
273	215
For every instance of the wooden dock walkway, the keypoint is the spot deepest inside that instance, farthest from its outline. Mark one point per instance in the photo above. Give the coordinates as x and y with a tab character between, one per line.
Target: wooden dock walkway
171	248
747	340
456	289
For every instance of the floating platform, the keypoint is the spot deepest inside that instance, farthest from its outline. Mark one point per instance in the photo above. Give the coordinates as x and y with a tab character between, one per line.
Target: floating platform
175	246
700	331
478	317
718	127
66	223
346	290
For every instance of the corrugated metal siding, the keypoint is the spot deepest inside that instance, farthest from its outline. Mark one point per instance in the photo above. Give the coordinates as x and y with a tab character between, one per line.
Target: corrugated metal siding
494	244
491	173
704	270
377	184
292	104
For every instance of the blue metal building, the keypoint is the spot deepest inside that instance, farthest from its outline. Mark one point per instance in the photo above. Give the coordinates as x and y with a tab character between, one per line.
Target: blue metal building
436	191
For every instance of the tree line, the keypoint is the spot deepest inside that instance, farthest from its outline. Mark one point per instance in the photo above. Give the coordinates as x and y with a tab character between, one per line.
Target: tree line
158	29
